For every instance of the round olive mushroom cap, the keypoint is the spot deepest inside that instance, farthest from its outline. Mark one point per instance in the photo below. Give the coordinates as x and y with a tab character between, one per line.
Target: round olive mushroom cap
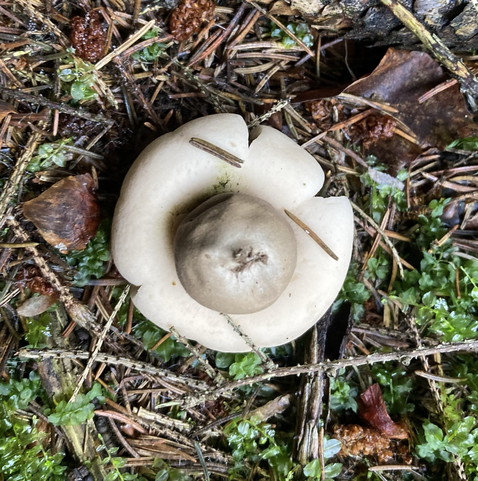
235	253
171	177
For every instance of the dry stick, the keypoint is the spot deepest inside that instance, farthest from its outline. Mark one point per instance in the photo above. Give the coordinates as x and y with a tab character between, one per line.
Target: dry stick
18	171
436	90
274	109
212	149
340	125
312	234
114	360
100	341
138	92
209	370
263	357
436	46
337	145
63	108
124	46
403	356
45	21
220	39
121	438
382	233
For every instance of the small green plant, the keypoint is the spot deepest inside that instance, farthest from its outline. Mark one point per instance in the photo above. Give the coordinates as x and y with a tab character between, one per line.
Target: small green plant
300	30
38	329
352	291
396	386
151	53
252	441
167	473
468	143
313	469
240	365
80	410
377	200
459	440
23	456
49	155
91	262
150	334
79	78
342	394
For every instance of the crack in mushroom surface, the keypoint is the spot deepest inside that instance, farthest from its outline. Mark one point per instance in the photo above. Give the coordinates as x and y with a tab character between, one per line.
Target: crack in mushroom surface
171	178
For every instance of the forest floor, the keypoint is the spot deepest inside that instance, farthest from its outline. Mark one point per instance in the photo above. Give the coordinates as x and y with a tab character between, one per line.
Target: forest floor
384	386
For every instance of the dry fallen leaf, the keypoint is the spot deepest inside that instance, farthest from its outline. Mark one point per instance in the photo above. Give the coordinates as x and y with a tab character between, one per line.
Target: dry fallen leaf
67	214
373	410
34	306
5	109
399	80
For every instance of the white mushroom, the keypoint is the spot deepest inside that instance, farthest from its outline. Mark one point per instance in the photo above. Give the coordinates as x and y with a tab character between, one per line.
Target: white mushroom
171	178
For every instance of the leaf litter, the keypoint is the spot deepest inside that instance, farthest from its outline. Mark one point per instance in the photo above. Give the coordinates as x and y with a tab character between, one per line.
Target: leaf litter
400	142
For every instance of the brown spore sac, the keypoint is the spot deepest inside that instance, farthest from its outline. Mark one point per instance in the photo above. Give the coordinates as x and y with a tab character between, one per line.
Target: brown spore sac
88	37
188	16
67	214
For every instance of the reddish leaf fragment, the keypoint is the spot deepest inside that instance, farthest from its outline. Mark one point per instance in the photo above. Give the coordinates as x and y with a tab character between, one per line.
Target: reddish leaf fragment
67	214
88	37
188	16
31	278
373	410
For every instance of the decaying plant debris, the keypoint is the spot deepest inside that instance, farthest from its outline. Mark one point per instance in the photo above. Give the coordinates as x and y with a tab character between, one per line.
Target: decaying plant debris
385	385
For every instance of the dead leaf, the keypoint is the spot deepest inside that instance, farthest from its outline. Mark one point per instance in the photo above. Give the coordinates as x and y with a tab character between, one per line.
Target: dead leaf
67	214
34	306
400	79
373	410
283	8
5	109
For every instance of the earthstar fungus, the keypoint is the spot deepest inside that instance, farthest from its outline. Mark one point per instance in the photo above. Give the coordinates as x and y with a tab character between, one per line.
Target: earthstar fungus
199	237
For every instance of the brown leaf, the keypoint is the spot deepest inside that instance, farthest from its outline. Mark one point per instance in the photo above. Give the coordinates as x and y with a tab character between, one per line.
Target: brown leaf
34	306
5	109
67	214
373	410
400	79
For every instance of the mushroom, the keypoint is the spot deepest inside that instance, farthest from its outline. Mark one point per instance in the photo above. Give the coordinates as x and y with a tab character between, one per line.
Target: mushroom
199	237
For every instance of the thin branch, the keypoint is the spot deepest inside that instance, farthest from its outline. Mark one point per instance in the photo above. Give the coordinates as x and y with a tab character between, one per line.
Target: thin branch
263	357
383	234
332	366
114	360
100	341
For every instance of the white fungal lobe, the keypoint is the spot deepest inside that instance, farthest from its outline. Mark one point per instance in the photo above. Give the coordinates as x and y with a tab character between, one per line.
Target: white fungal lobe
171	178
